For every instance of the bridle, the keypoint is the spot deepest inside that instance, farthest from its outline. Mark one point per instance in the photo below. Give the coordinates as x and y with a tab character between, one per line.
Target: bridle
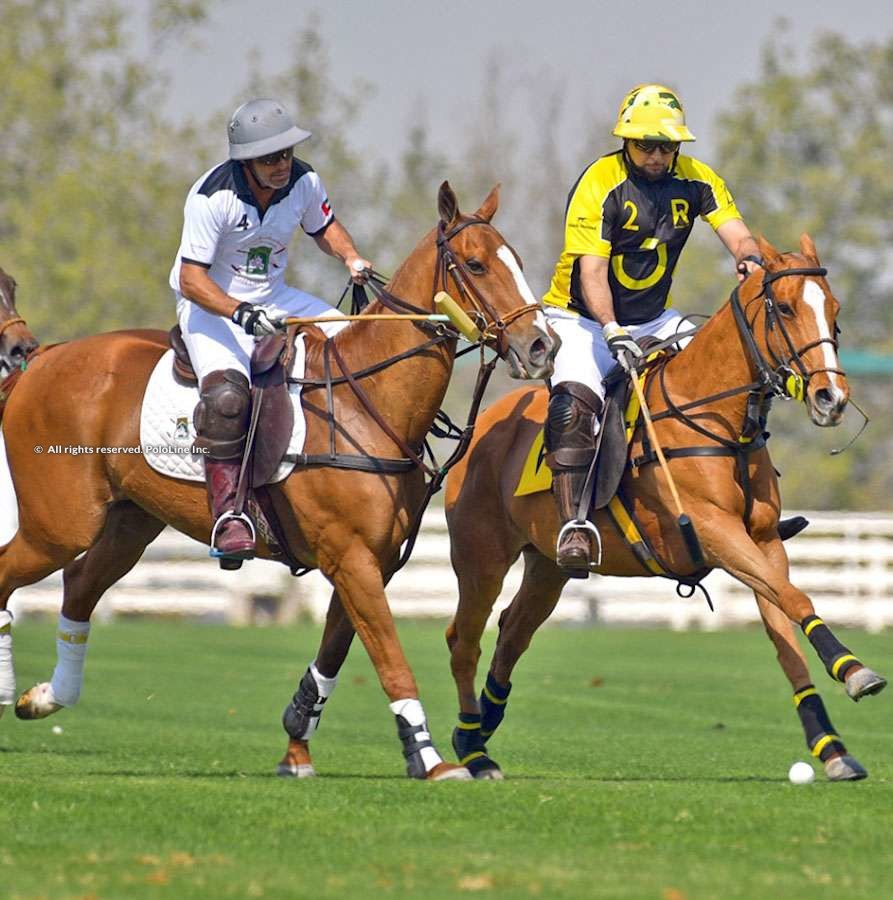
6	305
785	374
492	326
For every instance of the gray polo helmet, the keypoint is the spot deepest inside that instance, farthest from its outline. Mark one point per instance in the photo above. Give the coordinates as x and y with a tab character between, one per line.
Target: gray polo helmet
260	127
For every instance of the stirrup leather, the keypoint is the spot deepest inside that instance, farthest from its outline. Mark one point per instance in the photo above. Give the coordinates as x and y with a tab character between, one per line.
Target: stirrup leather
574	525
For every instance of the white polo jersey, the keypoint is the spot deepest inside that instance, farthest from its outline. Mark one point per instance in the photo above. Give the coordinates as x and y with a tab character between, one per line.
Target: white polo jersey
245	251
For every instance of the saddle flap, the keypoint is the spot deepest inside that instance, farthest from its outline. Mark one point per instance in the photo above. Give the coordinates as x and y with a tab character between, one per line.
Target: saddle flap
275	414
613	450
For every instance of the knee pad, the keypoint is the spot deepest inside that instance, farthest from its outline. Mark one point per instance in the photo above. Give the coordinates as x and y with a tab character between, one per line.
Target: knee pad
221	417
570	424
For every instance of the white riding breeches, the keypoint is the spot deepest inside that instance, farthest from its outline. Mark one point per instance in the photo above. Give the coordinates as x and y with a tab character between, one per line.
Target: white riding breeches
584	355
215	343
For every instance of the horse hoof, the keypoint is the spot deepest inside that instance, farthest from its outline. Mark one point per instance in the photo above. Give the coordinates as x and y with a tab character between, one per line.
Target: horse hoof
445	771
483	768
844	768
863	683
287	770
37	703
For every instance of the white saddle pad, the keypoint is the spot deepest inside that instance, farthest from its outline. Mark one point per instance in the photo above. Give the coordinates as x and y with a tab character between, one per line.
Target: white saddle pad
167	432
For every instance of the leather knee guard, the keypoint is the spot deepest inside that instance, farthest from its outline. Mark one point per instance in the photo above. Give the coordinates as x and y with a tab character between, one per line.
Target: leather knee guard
221	417
570	426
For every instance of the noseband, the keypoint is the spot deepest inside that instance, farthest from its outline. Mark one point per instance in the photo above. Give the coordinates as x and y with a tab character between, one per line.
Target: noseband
490	323
779	375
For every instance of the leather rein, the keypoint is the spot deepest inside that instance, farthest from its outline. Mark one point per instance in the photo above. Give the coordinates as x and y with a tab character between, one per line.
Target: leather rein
493	333
784	374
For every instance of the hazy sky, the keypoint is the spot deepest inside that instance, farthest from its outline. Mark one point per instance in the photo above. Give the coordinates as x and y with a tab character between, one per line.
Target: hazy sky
430	55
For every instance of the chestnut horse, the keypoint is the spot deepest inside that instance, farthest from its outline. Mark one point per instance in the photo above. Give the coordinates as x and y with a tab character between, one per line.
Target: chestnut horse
787	329
16	341
348	524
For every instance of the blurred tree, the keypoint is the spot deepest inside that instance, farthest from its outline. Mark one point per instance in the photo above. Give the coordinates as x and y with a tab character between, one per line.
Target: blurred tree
806	146
89	197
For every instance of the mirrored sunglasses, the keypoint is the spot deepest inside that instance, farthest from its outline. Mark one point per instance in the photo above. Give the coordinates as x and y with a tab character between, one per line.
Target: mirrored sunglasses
276	157
665	147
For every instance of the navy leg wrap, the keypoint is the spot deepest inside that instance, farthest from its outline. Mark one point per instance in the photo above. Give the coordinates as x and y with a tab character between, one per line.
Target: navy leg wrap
469	745
301	716
493	699
836	658
414	739
821	738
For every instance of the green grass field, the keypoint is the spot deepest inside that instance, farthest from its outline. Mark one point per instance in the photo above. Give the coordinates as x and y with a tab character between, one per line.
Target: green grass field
640	764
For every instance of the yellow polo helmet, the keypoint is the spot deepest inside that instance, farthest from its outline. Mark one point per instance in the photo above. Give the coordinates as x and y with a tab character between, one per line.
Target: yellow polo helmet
652	112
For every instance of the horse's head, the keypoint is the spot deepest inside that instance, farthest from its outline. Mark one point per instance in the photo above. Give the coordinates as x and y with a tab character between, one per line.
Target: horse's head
16	341
483	274
801	328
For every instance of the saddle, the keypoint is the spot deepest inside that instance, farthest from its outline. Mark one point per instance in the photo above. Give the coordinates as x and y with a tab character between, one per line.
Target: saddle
617	422
272	416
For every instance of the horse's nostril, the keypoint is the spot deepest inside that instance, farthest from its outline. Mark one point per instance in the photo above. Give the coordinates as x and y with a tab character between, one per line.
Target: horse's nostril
538	350
824	398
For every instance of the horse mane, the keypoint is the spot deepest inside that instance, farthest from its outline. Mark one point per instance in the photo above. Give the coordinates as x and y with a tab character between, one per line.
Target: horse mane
11	380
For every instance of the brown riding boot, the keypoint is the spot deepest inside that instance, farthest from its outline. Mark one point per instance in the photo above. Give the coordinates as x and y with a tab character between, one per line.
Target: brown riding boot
570	440
221	425
232	537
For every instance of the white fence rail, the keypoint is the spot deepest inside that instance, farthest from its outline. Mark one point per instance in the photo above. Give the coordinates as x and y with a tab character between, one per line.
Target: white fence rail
844	561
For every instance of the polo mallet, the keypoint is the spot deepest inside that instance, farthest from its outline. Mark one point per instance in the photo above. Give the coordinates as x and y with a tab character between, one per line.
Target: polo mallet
689	535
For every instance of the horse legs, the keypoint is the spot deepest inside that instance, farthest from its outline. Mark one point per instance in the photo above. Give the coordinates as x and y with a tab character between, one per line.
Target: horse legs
127	531
763	567
22	561
357	577
302	715
821	736
479	718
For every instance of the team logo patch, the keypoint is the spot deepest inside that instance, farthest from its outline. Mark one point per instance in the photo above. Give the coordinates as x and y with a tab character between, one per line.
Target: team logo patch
258	261
326	207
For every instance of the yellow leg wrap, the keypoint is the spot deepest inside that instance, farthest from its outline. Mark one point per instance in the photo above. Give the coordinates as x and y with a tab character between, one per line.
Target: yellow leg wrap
812	625
823	742
799	698
839	662
467	759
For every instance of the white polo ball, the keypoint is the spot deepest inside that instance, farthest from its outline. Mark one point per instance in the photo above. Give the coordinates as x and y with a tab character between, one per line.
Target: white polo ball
57	729
801	773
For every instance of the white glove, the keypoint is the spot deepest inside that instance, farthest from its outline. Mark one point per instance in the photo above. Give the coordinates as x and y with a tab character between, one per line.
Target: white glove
254	320
622	345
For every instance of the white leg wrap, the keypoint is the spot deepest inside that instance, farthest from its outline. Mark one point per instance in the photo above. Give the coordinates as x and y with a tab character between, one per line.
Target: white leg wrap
71	651
325	686
414	714
7	670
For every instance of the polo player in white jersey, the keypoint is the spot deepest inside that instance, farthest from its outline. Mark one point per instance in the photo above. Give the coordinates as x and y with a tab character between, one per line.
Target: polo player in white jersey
229	279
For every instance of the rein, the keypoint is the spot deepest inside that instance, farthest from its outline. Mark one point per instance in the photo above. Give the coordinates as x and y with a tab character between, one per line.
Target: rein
778	380
492	327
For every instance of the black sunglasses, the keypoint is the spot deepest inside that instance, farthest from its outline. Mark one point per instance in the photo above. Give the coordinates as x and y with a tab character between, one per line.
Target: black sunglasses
276	157
665	147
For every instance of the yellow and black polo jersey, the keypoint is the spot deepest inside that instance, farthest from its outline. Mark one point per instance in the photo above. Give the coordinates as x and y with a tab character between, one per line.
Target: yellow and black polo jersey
641	226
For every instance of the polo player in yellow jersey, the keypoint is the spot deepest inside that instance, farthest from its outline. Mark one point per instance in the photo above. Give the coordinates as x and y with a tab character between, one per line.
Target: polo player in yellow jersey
628	218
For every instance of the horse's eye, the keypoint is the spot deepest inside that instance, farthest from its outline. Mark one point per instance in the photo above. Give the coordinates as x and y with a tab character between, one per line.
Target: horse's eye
785	309
475	266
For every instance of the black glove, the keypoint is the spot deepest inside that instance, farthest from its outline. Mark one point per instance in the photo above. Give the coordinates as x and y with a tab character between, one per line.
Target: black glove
254	320
622	345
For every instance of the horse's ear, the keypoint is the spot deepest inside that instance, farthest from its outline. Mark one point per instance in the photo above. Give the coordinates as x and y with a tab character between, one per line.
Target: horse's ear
489	206
767	251
807	247
447	204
